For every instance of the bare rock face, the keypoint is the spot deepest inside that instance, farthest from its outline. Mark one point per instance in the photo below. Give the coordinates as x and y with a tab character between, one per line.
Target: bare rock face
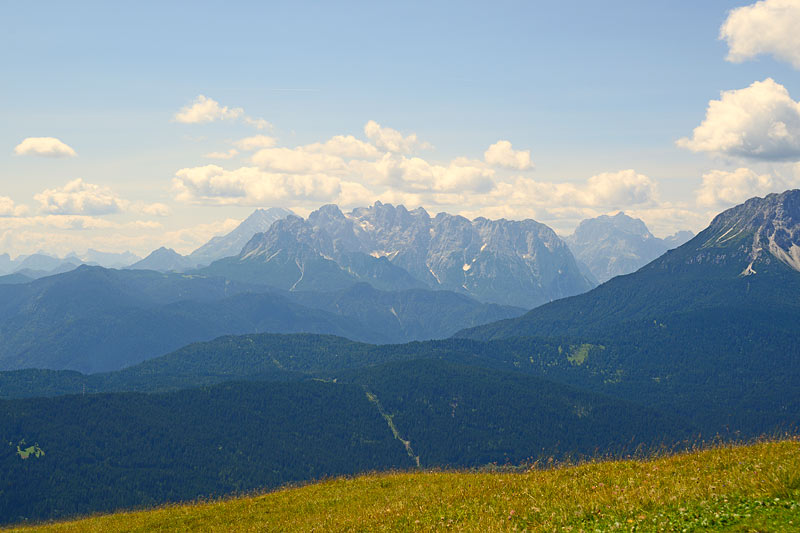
521	263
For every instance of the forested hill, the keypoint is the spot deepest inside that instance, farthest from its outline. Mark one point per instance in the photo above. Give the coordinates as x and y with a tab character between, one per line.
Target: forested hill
80	454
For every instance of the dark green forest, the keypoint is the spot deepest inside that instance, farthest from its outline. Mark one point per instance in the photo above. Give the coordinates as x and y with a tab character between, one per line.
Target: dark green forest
119	450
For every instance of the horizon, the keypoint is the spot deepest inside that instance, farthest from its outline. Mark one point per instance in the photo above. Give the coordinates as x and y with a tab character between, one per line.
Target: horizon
557	113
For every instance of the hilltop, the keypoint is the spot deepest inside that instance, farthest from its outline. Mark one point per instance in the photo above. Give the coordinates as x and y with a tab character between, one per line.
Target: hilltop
745	488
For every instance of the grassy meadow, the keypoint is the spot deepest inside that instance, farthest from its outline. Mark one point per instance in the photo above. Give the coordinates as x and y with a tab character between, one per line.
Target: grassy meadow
753	487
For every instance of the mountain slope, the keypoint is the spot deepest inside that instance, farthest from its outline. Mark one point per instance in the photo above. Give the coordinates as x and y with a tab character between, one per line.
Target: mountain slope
231	244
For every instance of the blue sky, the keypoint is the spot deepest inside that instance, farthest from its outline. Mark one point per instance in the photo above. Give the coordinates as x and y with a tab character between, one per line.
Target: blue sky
588	88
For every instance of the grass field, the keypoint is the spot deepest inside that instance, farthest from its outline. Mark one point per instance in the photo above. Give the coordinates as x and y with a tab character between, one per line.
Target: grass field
727	488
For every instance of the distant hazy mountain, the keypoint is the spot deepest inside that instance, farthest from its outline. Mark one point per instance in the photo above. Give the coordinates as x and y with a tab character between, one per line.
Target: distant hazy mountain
41	264
678	239
231	244
93	319
521	263
108	259
164	260
613	245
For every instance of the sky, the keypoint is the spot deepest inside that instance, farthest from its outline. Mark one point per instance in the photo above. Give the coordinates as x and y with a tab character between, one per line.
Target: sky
139	125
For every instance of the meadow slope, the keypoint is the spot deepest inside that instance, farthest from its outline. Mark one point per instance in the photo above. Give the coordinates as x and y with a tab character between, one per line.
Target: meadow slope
727	488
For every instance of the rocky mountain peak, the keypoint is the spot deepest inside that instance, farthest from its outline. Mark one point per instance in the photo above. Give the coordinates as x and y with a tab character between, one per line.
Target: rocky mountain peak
761	230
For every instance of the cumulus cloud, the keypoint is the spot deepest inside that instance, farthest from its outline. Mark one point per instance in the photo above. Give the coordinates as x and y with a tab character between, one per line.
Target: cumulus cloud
156	209
233	152
721	188
296	160
80	198
205	109
622	188
766	27
502	154
9	209
759	122
345	146
392	140
44	147
417	174
255	142
609	190
257	123
214	185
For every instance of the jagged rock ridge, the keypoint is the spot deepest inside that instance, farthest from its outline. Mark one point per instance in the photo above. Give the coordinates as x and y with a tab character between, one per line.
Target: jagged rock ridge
521	263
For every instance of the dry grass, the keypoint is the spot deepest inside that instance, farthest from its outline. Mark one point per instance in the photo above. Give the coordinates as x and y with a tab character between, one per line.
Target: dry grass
727	488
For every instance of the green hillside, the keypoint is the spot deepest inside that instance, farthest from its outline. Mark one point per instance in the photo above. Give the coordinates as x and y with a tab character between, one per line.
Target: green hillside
749	488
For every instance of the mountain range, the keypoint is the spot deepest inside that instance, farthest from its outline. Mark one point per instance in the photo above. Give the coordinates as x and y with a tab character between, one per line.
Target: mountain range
94	319
700	341
521	263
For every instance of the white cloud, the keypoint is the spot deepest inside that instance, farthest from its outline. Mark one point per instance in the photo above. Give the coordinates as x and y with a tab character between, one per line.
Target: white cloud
205	109
249	186
502	154
79	198
767	27
233	152
721	188
759	122
45	147
345	146
296	160
257	123
609	190
392	140
156	209
256	141
622	188
9	209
